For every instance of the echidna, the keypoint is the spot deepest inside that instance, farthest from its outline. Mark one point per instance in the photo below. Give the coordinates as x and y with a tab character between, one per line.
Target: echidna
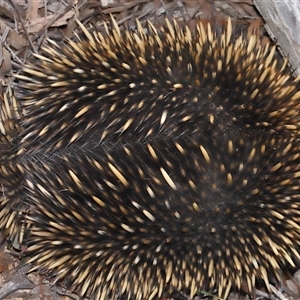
160	160
10	180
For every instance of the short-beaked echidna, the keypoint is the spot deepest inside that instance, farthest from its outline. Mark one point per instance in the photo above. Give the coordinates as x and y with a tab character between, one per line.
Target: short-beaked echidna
166	159
10	179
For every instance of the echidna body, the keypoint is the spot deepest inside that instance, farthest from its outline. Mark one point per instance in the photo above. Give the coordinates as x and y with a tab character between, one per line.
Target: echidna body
10	180
166	160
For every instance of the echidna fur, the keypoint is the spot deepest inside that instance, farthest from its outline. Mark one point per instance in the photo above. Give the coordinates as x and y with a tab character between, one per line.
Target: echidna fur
166	160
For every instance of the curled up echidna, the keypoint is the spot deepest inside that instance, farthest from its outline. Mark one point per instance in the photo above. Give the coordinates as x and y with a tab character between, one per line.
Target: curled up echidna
158	161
